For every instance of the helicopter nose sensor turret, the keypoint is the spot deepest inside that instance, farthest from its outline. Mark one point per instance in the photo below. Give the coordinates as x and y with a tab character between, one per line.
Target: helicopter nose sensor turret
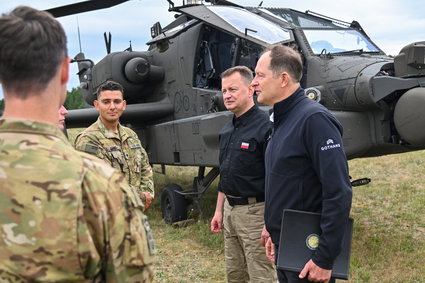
410	62
409	117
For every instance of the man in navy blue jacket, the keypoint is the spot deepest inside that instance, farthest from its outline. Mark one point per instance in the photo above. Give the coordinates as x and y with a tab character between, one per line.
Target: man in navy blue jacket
306	167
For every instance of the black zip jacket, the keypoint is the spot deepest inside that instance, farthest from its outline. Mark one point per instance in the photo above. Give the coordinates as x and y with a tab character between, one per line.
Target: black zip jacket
306	169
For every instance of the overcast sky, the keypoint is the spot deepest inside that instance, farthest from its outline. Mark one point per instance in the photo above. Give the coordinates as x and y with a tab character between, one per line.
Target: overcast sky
391	24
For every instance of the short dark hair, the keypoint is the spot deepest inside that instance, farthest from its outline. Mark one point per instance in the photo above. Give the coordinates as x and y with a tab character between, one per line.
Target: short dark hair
32	47
285	59
109	85
244	71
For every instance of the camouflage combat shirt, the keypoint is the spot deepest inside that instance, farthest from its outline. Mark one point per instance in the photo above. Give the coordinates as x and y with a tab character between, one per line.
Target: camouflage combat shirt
123	150
66	216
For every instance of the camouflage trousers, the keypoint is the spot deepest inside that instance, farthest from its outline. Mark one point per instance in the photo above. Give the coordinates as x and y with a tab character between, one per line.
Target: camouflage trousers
246	259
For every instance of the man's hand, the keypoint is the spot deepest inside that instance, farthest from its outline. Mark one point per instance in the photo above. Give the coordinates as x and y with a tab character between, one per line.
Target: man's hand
270	250
264	236
266	241
315	273
217	222
147	200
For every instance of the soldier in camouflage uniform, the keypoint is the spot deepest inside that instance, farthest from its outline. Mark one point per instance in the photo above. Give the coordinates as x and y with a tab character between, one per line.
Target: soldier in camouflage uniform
116	144
66	216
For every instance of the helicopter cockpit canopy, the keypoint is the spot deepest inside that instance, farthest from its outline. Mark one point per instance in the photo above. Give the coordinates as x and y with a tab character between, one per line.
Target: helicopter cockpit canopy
252	24
326	35
338	41
302	20
241	23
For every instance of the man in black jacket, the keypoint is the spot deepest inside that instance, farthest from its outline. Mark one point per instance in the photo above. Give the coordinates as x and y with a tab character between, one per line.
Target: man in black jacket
240	201
306	167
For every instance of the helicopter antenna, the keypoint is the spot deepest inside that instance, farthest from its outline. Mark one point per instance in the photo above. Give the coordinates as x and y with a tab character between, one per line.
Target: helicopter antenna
261	3
107	42
79	36
130	48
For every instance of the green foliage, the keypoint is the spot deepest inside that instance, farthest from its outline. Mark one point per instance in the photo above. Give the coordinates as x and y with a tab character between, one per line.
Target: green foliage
74	99
1	105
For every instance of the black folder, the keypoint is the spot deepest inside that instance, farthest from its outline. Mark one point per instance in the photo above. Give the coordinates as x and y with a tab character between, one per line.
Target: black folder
299	237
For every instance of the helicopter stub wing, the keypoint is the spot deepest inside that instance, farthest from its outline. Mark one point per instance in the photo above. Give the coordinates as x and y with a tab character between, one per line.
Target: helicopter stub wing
134	114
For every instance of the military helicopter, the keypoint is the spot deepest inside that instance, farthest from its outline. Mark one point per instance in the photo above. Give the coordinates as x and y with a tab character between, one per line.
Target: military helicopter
174	95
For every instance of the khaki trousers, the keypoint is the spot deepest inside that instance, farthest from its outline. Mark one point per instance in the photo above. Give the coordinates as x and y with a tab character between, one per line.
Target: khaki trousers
246	259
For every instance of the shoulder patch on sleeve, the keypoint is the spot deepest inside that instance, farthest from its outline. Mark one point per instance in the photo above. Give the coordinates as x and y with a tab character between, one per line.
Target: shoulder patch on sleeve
92	149
135	145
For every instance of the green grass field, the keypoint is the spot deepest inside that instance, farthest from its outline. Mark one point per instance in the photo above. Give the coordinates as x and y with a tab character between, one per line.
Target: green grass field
389	230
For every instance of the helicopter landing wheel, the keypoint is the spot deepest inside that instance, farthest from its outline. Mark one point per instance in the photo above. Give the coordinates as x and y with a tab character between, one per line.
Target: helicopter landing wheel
173	204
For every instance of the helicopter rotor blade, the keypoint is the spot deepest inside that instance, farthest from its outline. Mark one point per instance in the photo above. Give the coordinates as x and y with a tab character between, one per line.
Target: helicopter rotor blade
82	7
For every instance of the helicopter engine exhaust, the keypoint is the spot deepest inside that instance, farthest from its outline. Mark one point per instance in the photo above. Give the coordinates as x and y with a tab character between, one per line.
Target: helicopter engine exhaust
409	117
133	70
138	69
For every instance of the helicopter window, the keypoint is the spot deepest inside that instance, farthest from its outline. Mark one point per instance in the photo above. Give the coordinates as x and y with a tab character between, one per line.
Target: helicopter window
299	19
339	41
205	67
250	53
213	57
251	24
312	23
218	51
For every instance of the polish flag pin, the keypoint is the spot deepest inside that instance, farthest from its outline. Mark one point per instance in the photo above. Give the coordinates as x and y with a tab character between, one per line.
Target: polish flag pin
245	145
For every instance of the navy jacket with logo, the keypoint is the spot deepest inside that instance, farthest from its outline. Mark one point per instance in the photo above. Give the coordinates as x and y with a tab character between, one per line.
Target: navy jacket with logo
306	169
